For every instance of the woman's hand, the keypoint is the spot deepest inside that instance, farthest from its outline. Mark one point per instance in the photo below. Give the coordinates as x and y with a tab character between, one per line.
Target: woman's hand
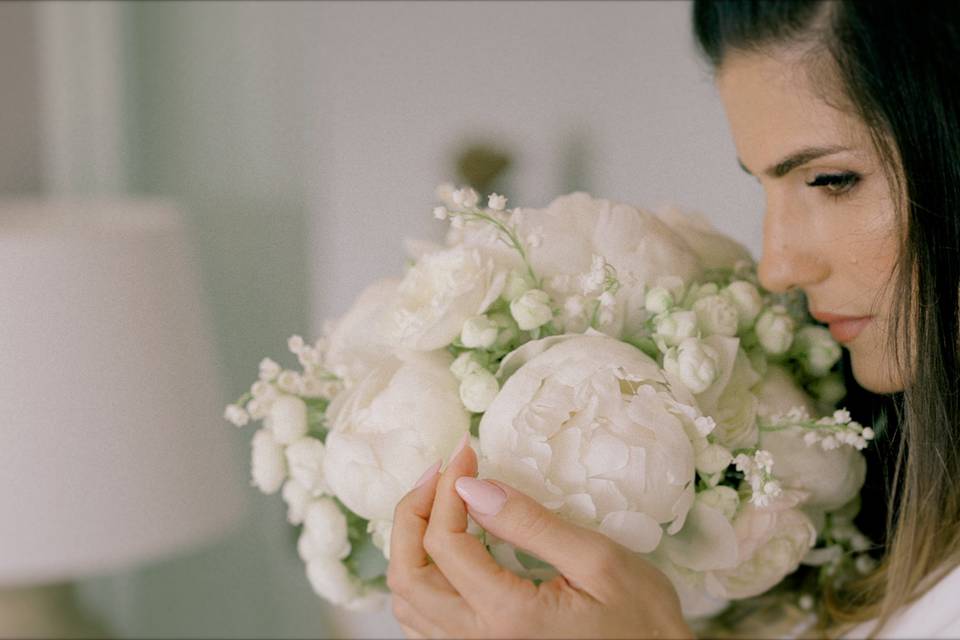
604	590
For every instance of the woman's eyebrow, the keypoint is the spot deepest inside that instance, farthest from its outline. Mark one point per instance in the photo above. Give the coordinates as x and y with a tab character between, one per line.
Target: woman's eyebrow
796	159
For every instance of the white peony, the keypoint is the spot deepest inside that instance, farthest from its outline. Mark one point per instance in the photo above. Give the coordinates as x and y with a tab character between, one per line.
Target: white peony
287	419
585	426
386	429
715	250
729	400
324	531
305	460
771	542
360	339
440	292
267	463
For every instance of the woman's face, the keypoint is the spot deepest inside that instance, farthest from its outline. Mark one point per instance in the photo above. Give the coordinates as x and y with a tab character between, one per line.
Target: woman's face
829	226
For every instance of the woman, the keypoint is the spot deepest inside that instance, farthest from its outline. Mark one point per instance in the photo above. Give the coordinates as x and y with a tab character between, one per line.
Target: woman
848	114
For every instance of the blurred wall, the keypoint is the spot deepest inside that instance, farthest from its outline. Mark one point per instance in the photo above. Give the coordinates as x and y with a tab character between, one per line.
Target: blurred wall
20	166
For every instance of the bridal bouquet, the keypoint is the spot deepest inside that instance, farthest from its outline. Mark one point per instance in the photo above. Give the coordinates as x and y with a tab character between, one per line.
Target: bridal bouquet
623	368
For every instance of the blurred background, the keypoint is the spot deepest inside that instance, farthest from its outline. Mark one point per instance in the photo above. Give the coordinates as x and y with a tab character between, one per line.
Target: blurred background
247	167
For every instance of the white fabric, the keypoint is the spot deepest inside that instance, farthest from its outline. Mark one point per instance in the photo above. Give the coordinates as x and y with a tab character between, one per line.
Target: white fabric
936	614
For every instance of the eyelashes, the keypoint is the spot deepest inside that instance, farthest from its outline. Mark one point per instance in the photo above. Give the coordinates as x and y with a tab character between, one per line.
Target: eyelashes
835	184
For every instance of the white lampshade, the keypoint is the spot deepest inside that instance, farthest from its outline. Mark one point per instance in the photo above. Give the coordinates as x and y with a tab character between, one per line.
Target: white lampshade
112	446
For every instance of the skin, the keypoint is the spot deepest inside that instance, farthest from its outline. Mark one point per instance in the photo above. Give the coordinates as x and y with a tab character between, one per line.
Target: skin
839	245
839	250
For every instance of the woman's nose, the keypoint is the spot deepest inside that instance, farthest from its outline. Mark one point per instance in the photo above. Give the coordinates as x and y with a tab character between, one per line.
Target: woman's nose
790	256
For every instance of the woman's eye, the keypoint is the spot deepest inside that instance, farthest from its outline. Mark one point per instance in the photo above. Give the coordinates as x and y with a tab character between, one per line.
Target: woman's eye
835	184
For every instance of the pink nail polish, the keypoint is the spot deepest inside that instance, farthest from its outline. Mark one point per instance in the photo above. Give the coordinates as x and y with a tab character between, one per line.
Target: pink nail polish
429	473
484	497
463	442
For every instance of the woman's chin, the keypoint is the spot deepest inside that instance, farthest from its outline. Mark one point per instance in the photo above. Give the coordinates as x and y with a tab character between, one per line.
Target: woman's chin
874	372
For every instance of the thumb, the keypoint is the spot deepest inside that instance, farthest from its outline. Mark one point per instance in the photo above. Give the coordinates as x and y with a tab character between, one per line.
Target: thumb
515	517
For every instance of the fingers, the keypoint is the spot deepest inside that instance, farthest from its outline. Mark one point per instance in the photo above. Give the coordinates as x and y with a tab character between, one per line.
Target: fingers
461	557
578	553
410	522
413	623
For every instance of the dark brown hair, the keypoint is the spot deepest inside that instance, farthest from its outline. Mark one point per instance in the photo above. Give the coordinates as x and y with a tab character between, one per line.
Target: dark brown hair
895	64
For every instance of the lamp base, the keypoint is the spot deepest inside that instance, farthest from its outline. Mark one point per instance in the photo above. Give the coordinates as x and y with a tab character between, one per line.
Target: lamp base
46	611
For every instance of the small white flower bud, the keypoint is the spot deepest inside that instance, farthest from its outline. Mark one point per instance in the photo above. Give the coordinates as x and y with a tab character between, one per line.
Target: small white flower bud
287	419
289	381
464	364
867	433
236	415
478	389
865	564
714	458
440	213
479	332
325	527
268	370
723	499
745	297
531	309
717	316
658	300
295	344
676	326
305	461
497	202
517	284
817	348
775	330
830	389
695	363
267	463
297	499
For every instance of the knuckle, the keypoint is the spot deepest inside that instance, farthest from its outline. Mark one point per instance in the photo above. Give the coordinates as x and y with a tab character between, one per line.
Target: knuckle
605	557
432	543
397	581
534	524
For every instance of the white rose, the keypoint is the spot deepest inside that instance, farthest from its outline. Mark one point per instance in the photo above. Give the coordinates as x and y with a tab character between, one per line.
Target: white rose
386	429
715	250
771	542
479	332
267	462
717	315
729	400
817	349
363	336
324	531
478	389
745	297
297	498
568	429
305	461
440	292
287	419
694	363
676	326
331	581
531	309
775	330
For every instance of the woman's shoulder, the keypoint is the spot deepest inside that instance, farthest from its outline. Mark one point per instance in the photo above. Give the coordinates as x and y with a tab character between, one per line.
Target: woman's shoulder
935	614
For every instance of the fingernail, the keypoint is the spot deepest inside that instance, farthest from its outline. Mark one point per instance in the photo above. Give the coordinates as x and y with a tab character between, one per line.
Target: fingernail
485	498
429	473
463	442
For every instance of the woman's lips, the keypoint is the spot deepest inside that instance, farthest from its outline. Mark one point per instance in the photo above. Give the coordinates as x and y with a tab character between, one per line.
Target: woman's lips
847	330
843	328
